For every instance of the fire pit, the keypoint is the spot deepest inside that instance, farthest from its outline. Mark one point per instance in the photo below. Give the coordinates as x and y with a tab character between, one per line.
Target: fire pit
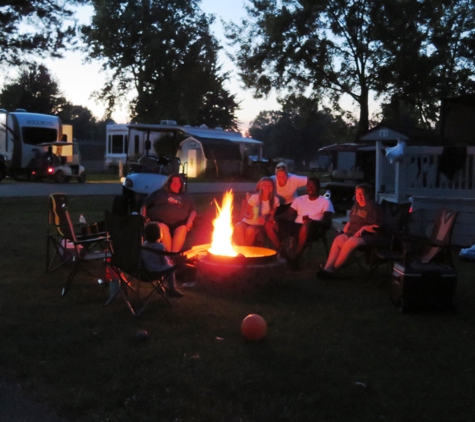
254	269
224	267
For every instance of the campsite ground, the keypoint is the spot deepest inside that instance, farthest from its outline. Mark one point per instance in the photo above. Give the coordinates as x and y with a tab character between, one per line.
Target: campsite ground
336	350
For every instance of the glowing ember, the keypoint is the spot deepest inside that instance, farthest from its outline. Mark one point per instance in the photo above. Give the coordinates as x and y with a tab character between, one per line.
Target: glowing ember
223	228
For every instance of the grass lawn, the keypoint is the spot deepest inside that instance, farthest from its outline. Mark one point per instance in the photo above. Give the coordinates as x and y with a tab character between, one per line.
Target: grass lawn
336	350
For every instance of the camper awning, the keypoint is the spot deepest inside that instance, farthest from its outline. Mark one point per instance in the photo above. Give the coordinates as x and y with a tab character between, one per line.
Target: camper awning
202	132
219	149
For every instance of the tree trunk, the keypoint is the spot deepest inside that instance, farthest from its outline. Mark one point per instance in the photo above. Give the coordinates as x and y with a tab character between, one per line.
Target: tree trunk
363	122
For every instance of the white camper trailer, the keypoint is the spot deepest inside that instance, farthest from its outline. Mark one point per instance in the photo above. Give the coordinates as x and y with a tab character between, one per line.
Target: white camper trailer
21	133
117	136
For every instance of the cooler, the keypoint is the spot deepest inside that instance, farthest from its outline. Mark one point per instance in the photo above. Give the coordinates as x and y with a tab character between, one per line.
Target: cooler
421	286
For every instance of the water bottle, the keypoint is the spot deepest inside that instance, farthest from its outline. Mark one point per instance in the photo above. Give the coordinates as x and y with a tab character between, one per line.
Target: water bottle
82	219
328	194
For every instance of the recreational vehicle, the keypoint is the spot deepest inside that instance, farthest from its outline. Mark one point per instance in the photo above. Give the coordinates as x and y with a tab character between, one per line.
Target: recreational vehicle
20	135
117	136
200	149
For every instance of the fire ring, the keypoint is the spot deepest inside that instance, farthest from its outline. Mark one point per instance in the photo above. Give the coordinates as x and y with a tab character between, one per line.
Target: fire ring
254	269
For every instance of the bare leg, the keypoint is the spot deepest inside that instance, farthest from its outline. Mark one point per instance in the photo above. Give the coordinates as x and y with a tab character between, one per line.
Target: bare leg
302	240
179	237
347	250
272	231
166	237
341	250
238	234
250	234
335	251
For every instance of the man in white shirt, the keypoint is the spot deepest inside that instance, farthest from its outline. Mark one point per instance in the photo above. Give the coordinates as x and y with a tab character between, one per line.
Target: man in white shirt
307	216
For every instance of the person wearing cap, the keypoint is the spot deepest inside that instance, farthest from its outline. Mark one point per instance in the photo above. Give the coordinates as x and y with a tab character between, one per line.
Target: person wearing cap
286	185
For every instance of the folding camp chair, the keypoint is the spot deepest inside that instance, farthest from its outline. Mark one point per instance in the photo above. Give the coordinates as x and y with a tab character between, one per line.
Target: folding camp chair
425	277
434	248
386	246
125	234
69	244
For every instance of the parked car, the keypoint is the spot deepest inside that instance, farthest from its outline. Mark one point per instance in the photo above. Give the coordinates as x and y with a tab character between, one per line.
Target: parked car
58	161
146	175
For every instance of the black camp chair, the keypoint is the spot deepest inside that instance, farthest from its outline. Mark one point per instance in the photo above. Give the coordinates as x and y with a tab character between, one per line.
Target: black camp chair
135	283
68	243
395	220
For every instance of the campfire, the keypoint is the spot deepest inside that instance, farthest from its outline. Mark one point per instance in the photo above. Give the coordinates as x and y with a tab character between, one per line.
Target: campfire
223	228
224	266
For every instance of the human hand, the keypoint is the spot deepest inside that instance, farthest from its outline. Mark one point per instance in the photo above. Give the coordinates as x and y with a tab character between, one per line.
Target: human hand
172	200
373	228
189	225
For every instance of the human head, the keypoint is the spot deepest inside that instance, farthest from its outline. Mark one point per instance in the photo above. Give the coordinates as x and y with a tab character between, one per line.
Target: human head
266	185
363	193
281	174
152	232
173	179
313	186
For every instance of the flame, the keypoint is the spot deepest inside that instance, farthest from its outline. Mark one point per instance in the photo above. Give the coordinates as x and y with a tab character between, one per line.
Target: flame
223	228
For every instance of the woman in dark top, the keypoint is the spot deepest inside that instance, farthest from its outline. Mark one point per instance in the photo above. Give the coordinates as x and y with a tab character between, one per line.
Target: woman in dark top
174	211
365	217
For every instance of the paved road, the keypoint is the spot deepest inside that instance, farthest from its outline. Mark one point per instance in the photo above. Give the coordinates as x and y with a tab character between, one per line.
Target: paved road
25	189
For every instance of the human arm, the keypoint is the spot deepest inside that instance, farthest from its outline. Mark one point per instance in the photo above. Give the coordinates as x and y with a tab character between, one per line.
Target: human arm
191	219
370	228
373	219
346	227
327	219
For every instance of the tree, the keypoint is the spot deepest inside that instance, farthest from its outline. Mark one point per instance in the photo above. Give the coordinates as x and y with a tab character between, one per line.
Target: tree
299	129
326	47
35	90
83	121
354	47
36	28
164	52
426	59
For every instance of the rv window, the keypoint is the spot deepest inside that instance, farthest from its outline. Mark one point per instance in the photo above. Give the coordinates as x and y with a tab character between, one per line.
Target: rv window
38	135
117	144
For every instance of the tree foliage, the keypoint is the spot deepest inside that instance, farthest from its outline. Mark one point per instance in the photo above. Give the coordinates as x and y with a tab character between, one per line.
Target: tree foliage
34	90
163	51
299	129
38	28
415	52
37	91
428	56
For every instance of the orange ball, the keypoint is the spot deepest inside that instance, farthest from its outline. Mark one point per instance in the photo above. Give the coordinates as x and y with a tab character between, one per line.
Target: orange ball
254	327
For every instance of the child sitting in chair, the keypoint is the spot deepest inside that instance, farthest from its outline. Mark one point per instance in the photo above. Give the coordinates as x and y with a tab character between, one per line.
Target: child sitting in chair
157	262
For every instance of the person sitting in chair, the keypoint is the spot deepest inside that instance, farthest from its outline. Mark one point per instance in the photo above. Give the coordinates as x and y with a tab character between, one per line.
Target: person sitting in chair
365	217
156	262
174	210
260	209
307	216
